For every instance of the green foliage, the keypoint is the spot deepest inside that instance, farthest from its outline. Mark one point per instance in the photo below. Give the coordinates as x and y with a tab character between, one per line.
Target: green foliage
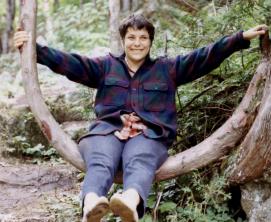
167	207
81	29
198	196
204	201
20	146
25	139
23	135
9	62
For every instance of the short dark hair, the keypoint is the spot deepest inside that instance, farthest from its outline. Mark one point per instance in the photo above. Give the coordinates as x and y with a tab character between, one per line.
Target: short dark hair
136	22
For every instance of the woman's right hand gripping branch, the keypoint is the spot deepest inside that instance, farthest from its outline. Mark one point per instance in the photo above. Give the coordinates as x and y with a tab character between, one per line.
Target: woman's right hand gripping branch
20	37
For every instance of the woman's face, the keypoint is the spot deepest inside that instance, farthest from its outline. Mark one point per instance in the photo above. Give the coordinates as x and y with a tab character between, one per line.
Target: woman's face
136	44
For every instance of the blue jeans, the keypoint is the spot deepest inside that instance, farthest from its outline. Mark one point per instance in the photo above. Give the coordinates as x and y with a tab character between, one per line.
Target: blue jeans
139	157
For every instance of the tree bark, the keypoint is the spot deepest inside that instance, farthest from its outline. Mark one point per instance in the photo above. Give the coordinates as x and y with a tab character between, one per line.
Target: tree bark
48	21
6	36
125	5
61	141
254	155
135	5
115	41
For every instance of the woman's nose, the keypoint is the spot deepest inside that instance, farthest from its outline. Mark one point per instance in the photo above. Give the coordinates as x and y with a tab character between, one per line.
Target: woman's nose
137	41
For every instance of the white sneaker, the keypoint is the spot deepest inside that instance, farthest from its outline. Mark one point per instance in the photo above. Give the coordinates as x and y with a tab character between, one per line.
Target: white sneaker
123	208
95	208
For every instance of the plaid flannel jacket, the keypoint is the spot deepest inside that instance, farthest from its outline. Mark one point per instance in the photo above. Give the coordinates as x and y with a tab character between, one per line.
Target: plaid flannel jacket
150	93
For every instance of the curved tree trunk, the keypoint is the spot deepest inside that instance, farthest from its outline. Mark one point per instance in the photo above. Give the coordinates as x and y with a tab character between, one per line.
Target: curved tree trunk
62	142
254	156
216	146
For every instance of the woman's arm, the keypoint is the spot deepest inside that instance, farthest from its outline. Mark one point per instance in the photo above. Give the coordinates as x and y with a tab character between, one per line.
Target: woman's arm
77	68
202	61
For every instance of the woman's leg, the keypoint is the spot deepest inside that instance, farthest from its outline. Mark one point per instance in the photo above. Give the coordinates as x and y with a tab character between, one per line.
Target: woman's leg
102	155
141	157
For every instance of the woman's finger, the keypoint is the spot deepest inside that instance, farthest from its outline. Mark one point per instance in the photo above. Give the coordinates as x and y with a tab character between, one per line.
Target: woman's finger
260	27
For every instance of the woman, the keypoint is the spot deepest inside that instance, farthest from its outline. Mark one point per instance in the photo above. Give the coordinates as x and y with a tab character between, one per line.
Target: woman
135	109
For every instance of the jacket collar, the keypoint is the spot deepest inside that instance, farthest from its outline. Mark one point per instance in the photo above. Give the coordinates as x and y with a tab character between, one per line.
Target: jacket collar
122	58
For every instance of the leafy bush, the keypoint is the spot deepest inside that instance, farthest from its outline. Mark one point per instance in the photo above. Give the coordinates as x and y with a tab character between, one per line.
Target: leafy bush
81	29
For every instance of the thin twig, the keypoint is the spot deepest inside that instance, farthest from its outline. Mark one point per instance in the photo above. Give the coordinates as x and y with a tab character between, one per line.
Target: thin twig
242	59
166	44
195	97
155	216
216	107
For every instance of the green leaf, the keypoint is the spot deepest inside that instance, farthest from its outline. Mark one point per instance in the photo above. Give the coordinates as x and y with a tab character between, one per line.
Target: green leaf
167	206
146	218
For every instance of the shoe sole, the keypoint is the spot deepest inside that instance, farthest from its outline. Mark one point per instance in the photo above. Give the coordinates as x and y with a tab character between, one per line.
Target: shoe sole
119	208
98	212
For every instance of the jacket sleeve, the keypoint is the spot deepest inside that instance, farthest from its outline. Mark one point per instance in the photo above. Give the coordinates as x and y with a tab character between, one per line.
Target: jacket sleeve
77	68
203	60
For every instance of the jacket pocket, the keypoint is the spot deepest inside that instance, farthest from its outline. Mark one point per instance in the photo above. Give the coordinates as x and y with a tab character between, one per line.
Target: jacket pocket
115	92
155	95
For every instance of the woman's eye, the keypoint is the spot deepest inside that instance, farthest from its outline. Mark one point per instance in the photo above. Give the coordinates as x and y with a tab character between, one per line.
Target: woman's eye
144	38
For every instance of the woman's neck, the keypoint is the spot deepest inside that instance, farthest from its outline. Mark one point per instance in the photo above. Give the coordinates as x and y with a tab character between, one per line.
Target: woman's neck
132	65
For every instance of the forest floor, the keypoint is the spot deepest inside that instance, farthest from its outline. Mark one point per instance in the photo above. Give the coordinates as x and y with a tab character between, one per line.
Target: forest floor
38	192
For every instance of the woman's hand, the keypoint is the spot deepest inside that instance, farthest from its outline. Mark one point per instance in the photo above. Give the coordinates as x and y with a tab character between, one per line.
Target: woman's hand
255	32
20	37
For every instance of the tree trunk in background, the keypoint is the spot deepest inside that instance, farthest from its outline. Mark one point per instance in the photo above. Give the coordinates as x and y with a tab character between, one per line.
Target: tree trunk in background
6	36
135	5
115	42
150	7
81	3
56	5
128	6
1	46
49	22
125	5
